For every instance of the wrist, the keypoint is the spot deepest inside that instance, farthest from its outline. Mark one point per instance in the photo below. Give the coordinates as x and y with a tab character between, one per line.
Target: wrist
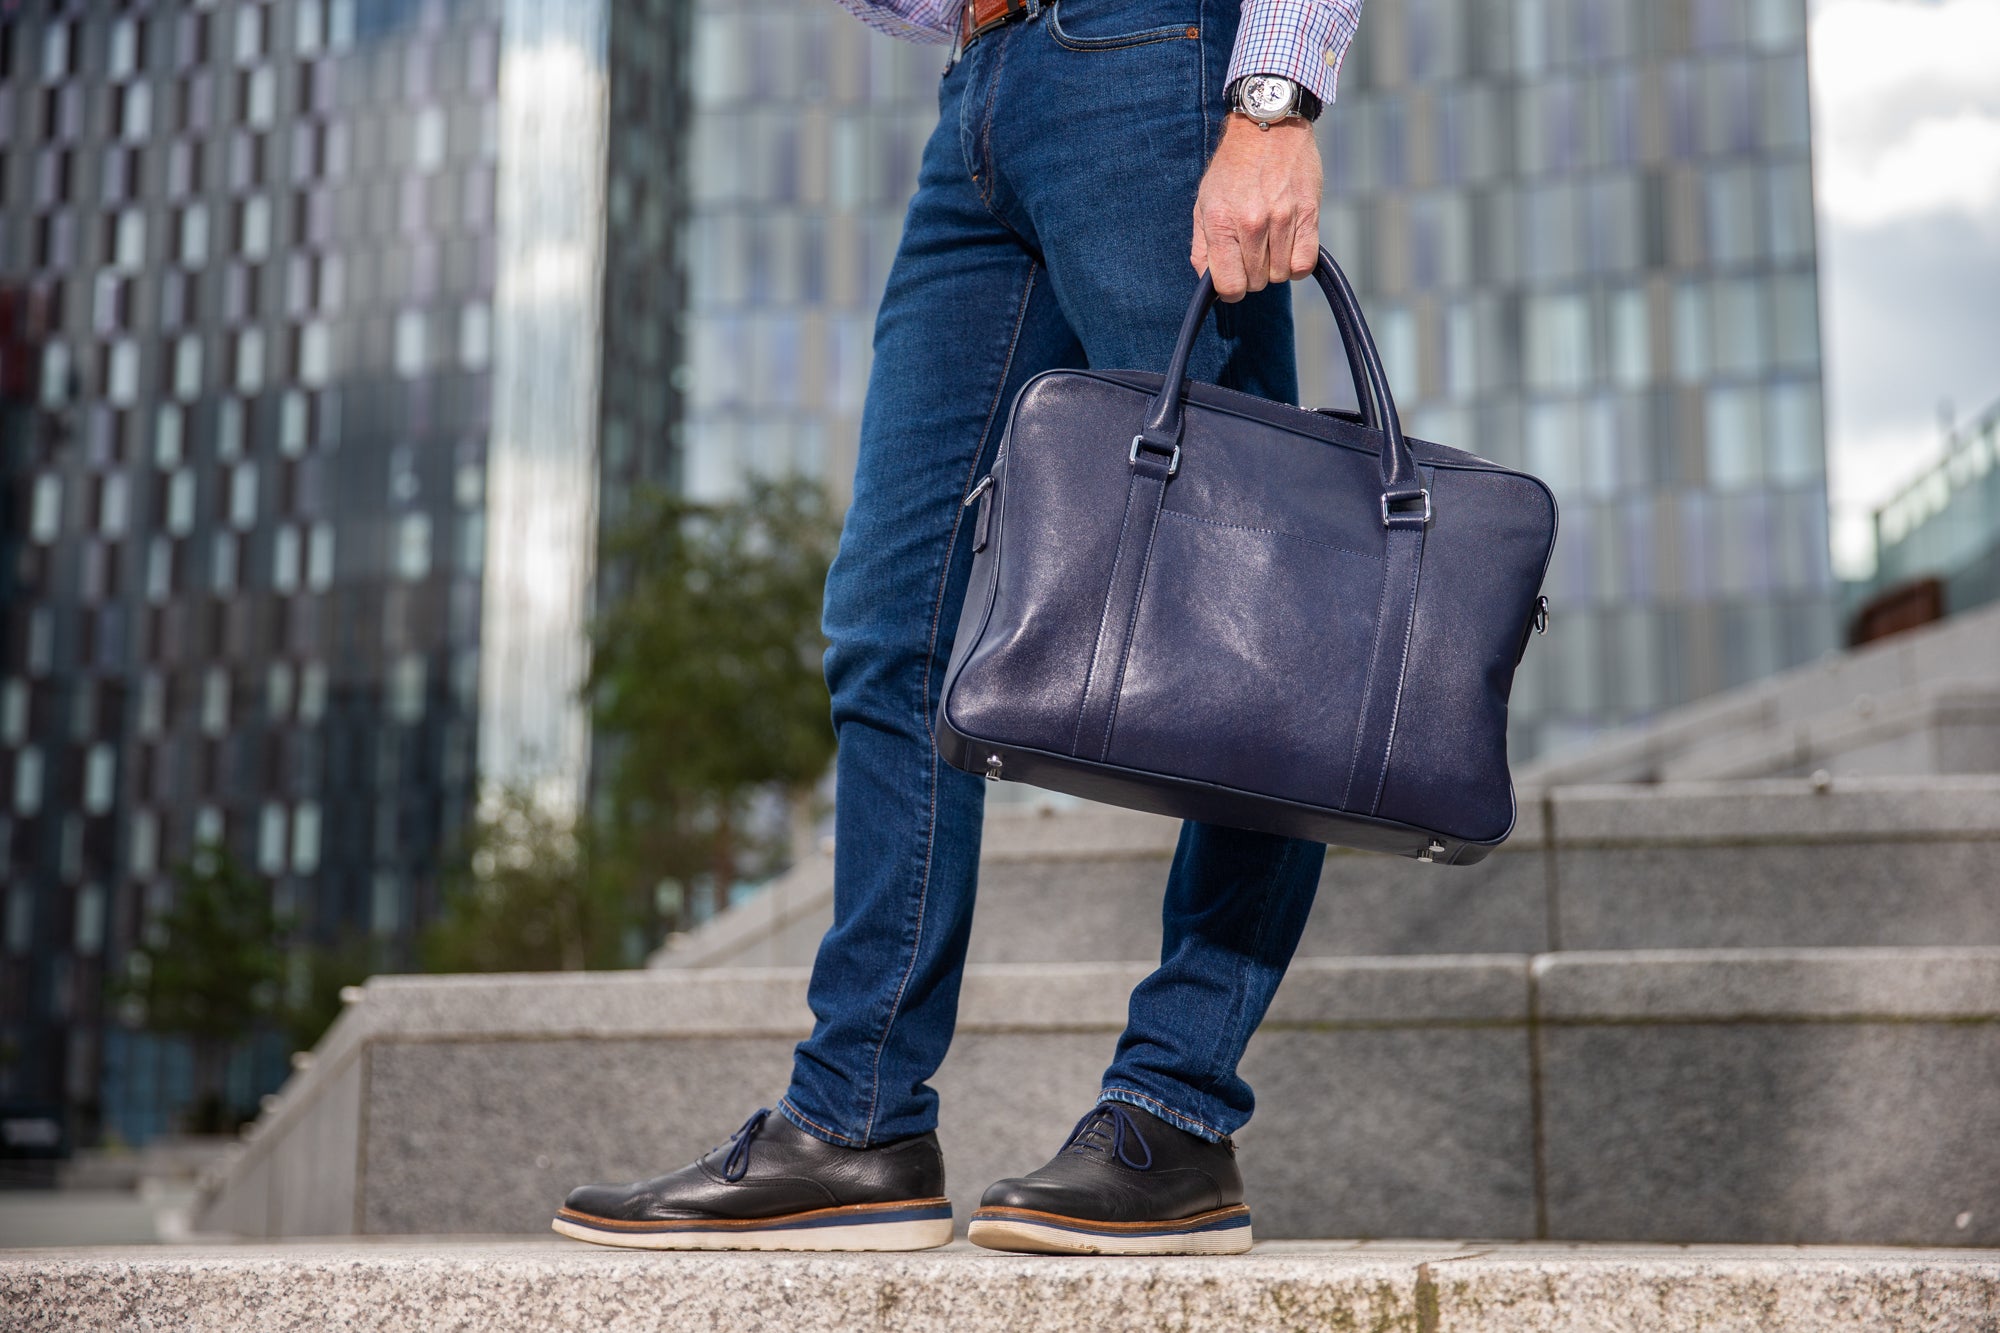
1237	125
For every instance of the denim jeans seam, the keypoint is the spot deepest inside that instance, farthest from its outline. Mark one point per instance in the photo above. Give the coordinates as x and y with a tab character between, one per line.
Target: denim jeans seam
1171	1113
790	1110
986	134
1201	75
1226	1029
1170	32
929	723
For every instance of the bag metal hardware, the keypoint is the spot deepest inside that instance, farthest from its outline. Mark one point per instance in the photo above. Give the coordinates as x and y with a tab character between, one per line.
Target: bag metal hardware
1541	615
993	762
1173	463
1430	853
985	485
1388	499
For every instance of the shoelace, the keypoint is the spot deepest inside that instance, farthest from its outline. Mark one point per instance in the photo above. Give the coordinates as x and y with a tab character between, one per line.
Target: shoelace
737	1163
1123	1129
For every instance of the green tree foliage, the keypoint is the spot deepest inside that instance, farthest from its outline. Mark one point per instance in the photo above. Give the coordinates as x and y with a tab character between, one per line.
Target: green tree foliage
706	692
526	897
706	679
323	972
211	971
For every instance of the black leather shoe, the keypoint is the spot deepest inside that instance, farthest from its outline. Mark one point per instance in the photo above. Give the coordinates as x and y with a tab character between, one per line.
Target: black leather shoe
775	1187
1125	1182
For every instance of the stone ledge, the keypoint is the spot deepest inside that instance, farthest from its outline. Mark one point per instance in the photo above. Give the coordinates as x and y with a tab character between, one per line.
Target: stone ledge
1778	811
1842	739
771	1003
1628	867
1413	1286
1960	650
1422	988
1770	985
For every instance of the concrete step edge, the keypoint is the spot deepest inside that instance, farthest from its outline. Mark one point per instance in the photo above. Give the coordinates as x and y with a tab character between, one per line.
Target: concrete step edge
1497	1288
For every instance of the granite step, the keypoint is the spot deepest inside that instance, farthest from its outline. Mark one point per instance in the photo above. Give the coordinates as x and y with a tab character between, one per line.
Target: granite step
1799	1096
1783	863
426	1286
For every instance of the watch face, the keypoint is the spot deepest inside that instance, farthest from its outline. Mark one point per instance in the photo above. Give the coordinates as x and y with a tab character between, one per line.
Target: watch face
1267	96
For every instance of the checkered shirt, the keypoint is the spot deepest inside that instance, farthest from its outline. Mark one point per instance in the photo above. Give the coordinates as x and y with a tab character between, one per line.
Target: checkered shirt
1303	40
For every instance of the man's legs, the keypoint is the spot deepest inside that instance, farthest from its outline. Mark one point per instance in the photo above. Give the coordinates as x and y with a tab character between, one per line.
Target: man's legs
1086	160
849	1161
966	318
1049	219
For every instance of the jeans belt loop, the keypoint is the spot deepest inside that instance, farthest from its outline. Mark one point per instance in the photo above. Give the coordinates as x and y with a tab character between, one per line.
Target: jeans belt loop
968	29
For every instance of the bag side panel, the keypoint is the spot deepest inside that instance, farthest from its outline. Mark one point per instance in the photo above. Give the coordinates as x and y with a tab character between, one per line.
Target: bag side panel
1484	558
1062	502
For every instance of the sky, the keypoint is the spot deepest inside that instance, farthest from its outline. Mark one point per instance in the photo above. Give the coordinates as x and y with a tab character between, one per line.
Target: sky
1906	160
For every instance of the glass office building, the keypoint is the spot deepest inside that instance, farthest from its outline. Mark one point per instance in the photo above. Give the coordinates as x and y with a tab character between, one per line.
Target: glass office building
302	484
803	147
1583	231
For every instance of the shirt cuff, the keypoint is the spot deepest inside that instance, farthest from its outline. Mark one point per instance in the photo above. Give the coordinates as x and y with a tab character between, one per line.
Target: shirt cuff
1302	40
920	24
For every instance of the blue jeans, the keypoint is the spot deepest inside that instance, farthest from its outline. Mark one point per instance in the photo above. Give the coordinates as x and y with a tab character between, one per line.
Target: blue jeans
1050	227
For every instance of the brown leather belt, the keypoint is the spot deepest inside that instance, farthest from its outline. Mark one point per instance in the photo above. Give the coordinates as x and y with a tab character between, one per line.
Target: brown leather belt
977	17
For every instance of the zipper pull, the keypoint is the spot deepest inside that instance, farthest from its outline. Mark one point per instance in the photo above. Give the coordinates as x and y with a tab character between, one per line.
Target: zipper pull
983	495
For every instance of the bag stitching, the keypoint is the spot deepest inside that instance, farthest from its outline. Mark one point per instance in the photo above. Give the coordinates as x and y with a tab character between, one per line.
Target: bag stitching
1274	532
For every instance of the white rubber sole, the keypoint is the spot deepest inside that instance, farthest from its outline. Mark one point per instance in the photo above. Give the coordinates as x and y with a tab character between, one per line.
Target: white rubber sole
828	1229
1225	1231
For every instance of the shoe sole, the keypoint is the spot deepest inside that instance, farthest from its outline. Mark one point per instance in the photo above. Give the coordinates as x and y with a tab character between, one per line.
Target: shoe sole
920	1224
1026	1231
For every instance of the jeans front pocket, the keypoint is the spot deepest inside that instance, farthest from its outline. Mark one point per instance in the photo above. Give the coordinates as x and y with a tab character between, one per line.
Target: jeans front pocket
1107	25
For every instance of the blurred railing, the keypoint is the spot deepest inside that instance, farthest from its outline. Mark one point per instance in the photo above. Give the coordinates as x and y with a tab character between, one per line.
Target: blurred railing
1947	520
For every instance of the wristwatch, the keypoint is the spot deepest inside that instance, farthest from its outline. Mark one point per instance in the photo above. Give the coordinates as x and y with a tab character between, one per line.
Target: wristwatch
1270	98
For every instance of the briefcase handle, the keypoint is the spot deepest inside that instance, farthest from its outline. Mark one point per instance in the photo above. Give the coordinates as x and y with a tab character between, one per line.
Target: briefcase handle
1405	503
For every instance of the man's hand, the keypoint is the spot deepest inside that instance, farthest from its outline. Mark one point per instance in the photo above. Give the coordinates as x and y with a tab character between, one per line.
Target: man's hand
1256	216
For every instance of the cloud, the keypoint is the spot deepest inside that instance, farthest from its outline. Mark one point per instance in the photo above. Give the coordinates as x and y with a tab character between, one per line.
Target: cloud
1938	165
1908	108
1907	158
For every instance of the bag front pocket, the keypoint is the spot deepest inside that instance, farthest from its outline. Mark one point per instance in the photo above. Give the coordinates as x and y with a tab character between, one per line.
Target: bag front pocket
1227	680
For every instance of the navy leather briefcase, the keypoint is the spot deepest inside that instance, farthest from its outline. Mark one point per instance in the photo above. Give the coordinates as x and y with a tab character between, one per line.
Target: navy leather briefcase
1201	603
